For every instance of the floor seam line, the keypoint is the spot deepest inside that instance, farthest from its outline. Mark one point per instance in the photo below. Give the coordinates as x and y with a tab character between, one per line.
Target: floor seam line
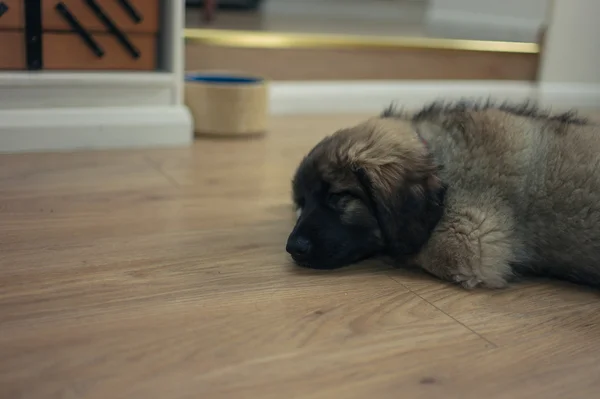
154	165
448	315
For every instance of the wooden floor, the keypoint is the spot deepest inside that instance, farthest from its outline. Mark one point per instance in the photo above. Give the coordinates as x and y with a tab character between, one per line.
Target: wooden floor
163	274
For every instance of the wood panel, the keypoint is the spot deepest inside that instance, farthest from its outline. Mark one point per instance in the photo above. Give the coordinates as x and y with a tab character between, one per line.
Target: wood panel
67	51
14	16
147	9
162	274
12	50
331	64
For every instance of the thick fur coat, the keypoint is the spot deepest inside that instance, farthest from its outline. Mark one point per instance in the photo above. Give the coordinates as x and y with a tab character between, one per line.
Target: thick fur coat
473	193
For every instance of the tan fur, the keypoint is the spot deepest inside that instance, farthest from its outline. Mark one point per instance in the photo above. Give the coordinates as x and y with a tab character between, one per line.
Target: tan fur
364	146
541	206
473	245
523	189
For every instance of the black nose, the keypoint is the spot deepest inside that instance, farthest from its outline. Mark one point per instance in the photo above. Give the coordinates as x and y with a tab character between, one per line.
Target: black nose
299	248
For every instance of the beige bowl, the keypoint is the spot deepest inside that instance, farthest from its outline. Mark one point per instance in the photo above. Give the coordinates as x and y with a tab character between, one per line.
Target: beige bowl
226	104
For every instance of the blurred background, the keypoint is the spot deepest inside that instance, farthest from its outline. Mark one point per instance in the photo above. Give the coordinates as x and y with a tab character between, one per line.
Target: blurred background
367	39
466	19
302	57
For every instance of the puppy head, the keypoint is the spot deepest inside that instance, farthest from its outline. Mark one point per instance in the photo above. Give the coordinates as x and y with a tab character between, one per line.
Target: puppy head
362	191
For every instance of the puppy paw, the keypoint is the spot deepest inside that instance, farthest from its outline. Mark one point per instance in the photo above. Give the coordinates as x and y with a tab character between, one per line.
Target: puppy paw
470	281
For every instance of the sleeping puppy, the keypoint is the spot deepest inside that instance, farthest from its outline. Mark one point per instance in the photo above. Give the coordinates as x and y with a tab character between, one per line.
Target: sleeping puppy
473	193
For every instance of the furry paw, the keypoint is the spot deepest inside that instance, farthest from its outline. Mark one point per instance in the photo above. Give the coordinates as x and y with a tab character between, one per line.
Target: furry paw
468	282
471	281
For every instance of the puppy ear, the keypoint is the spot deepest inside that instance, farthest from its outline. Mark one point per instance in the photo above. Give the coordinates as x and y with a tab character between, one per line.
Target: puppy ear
407	208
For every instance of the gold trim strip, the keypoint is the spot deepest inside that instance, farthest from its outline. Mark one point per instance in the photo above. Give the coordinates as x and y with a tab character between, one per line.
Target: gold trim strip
276	40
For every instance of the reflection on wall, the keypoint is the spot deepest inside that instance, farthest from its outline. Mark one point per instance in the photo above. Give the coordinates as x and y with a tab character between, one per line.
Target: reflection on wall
506	20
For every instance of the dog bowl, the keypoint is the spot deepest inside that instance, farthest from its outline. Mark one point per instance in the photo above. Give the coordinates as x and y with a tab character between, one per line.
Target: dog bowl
226	104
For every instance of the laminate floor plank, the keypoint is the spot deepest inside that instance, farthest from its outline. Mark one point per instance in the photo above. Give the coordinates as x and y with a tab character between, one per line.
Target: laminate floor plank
162	273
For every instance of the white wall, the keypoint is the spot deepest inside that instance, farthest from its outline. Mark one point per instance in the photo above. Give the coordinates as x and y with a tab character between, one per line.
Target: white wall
402	11
571	51
505	20
570	65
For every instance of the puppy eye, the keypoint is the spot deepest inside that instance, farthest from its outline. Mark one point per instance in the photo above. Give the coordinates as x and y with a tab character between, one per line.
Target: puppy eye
336	199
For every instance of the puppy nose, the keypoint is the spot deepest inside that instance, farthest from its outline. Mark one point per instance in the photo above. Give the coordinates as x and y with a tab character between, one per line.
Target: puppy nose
299	247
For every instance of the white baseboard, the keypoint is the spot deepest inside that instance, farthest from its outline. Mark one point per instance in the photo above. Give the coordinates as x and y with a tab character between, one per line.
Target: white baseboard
570	95
63	129
24	90
104	127
374	96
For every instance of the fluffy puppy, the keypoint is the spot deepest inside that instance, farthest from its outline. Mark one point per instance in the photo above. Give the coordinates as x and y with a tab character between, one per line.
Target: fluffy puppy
473	193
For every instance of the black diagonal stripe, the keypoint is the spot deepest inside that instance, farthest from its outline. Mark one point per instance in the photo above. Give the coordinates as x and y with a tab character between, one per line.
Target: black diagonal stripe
112	27
79	29
3	8
131	11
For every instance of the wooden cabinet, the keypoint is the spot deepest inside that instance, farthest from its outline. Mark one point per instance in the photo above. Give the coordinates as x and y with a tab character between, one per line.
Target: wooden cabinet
12	15
131	16
67	51
12	36
12	50
80	34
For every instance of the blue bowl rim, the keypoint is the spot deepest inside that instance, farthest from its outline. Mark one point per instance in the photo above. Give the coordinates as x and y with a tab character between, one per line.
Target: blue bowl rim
222	78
